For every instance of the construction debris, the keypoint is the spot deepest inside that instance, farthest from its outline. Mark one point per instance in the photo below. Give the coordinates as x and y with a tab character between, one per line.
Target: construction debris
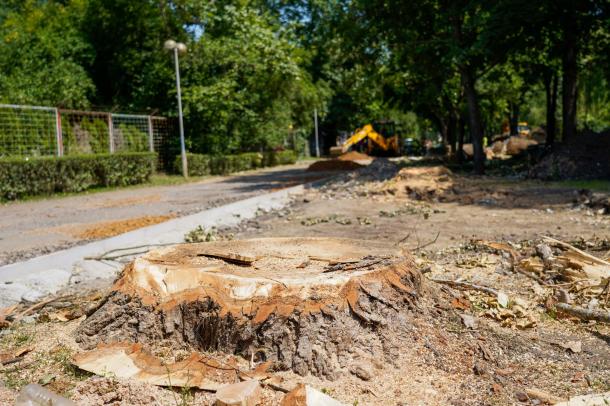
305	395
283	303
125	360
246	393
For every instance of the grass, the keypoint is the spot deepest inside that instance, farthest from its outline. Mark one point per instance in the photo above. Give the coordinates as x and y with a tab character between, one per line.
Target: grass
599	185
159	179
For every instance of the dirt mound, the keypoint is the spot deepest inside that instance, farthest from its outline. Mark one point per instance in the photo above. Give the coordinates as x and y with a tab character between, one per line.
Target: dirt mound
305	304
353	156
334	165
107	229
587	157
423	183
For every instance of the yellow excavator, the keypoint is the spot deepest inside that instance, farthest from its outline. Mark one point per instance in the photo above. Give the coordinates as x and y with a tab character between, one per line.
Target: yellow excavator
379	138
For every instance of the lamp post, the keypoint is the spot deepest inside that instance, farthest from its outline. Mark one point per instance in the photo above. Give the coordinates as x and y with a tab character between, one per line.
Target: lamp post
179	47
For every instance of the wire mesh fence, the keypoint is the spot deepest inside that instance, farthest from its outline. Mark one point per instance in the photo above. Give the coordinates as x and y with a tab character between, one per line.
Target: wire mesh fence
28	131
48	131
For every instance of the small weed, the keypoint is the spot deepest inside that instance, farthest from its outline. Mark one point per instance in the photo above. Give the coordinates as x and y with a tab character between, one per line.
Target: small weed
200	234
186	396
62	356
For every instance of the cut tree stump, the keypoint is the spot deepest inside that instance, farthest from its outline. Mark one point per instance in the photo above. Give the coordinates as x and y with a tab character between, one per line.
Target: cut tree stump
306	304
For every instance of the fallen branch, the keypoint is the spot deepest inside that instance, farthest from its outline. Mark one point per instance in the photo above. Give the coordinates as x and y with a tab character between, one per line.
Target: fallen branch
466	285
582	313
39	305
428	243
592	258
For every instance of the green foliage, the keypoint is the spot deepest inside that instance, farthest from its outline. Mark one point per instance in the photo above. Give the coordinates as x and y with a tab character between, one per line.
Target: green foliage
243	85
200	164
43	55
45	175
89	136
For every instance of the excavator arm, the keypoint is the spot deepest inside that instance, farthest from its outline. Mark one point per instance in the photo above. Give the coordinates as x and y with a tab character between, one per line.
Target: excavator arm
365	132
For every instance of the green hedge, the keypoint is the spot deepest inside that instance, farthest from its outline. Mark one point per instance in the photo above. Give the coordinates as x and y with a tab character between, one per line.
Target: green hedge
200	164
35	176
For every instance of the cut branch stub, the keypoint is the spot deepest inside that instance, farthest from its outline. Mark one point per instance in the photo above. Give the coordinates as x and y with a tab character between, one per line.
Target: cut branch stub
303	303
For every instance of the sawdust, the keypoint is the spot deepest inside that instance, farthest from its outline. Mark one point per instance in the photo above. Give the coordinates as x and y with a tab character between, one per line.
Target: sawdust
107	229
422	183
334	165
353	156
129	201
110	391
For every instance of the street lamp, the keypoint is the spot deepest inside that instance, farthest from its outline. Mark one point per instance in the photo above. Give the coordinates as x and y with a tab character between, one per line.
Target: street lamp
179	47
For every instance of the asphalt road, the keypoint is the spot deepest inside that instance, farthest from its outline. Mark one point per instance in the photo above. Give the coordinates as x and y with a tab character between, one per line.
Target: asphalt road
33	228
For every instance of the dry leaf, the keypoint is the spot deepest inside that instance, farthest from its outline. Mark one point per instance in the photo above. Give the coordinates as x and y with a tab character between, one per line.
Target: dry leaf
469	321
574	346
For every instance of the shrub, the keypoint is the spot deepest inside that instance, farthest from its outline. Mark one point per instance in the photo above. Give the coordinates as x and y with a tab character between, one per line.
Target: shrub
44	175
199	164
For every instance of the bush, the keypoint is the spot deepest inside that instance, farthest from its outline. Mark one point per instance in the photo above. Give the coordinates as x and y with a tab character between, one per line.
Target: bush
199	164
35	176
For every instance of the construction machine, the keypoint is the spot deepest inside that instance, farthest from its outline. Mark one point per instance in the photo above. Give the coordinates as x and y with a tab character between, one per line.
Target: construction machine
379	138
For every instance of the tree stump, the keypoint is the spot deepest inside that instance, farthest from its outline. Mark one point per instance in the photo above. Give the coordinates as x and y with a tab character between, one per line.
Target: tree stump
307	304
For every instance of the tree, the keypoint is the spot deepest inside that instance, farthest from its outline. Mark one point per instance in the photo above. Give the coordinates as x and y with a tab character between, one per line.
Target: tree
43	53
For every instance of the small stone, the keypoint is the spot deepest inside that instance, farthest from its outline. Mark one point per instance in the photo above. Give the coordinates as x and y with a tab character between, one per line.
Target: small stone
246	393
479	369
305	395
362	371
522	396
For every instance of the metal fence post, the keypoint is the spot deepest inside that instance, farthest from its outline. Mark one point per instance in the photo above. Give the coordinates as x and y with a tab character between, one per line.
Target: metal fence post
58	134
110	134
151	141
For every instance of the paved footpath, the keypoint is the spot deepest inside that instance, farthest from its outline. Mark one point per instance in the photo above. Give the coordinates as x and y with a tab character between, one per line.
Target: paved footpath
32	228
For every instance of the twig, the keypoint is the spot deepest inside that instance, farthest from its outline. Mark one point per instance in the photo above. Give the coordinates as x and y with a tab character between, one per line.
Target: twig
12	360
403	239
39	305
428	243
105	254
585	314
530	275
466	285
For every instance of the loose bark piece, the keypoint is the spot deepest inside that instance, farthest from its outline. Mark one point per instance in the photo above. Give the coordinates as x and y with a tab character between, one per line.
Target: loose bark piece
282	308
246	393
125	360
543	397
305	395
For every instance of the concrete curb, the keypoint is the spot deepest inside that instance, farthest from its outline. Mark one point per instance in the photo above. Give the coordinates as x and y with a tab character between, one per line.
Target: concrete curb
46	274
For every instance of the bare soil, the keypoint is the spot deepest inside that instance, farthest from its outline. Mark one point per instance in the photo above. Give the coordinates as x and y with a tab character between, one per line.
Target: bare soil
463	348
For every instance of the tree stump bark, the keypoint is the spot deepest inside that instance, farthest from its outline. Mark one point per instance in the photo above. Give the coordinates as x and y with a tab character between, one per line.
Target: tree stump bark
307	304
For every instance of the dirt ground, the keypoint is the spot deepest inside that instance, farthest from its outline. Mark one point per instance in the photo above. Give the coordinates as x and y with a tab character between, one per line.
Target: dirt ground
469	348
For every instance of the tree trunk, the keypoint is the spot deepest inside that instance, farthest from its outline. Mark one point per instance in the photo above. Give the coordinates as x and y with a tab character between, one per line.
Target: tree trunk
570	77
461	127
451	129
550	87
474	120
514	118
305	304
